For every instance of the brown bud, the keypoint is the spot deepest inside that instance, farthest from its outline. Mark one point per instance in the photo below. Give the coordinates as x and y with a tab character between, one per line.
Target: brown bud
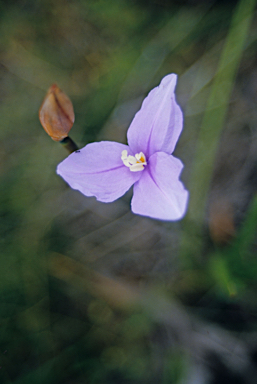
56	113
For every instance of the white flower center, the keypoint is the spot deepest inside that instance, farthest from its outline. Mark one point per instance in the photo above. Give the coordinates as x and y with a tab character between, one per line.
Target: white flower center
134	163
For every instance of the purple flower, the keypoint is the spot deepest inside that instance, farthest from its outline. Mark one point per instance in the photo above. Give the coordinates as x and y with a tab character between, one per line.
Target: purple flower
107	169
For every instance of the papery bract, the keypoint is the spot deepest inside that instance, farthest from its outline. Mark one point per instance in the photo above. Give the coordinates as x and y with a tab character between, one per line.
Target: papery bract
56	113
107	170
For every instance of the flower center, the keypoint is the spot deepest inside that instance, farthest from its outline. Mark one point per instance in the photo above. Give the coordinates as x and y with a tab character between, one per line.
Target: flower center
134	163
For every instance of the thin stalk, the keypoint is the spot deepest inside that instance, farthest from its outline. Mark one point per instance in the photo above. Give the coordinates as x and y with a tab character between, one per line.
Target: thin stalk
69	144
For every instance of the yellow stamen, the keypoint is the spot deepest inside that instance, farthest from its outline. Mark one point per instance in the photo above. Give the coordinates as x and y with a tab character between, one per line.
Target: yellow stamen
134	163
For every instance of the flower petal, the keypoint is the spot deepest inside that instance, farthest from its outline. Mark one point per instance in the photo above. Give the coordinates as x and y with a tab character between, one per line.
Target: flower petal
159	193
97	170
158	124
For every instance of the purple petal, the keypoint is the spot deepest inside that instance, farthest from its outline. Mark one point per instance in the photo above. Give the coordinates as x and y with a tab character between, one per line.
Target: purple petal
158	124
97	170
159	193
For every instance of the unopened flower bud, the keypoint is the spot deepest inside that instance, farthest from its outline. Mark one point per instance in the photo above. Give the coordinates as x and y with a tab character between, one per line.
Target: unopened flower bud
56	113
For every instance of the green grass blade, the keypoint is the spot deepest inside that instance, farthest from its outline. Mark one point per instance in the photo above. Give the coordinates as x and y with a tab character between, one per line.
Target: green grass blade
213	121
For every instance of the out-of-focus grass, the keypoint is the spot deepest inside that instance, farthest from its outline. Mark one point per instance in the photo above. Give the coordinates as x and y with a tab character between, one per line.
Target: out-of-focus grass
64	317
213	118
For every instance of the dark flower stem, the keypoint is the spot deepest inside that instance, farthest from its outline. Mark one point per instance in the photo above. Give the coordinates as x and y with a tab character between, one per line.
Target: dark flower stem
69	144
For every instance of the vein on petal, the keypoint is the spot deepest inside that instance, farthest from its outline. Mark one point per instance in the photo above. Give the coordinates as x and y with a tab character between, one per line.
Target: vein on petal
156	117
166	196
97	172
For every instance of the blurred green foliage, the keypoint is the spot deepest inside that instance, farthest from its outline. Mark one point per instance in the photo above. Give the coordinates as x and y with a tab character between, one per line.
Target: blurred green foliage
106	55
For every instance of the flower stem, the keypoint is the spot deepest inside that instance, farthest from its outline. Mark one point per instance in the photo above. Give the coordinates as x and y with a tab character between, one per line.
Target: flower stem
69	144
